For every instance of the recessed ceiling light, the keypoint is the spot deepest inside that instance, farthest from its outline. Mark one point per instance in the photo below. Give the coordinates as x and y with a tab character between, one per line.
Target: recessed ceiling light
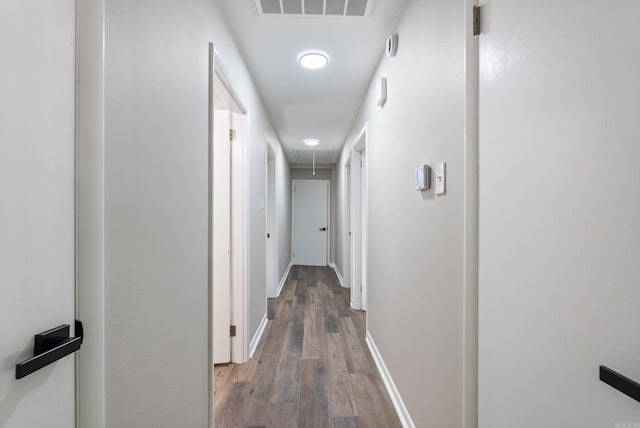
313	60
311	142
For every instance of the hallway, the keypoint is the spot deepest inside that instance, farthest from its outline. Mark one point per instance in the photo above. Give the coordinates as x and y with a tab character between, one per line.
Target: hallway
312	367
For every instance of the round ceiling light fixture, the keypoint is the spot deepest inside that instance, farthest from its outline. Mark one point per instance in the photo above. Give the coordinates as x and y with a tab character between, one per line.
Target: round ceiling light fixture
313	60
312	141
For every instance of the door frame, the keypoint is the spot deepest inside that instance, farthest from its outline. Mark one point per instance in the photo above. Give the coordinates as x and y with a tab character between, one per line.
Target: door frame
471	219
359	223
293	212
239	242
270	220
346	221
89	211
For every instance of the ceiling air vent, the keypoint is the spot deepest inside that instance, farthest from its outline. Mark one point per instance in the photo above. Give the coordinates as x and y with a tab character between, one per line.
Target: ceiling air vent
314	8
306	156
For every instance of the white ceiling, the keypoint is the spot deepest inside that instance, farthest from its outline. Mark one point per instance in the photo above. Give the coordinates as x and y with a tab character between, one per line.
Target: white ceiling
312	103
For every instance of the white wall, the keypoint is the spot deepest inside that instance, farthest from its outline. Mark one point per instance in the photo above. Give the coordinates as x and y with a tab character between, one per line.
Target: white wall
156	121
415	273
559	210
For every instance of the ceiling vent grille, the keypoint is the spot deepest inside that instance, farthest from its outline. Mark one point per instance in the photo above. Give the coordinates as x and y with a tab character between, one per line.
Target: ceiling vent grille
314	8
306	156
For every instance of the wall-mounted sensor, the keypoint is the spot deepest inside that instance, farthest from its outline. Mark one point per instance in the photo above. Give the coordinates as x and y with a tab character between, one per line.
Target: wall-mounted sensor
423	177
392	45
382	92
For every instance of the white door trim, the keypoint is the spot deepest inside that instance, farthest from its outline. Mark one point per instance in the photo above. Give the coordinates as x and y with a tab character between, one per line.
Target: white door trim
239	317
90	99
470	232
359	226
270	221
346	221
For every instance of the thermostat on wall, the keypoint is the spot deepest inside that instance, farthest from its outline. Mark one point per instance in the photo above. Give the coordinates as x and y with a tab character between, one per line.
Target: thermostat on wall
423	177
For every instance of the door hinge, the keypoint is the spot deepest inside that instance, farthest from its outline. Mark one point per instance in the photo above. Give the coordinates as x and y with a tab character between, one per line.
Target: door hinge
232	134
476	20
232	331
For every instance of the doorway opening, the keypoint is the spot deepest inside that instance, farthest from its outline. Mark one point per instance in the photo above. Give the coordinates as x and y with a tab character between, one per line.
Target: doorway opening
228	222
357	175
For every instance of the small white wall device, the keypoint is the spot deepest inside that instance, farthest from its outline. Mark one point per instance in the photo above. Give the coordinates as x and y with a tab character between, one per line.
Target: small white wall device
392	45
423	177
440	171
382	92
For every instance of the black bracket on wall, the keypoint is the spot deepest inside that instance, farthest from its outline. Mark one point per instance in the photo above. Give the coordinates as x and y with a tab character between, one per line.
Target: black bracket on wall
622	383
49	347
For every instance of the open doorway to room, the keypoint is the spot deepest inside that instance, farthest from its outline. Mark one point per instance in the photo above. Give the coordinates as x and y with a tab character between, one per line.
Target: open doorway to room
228	249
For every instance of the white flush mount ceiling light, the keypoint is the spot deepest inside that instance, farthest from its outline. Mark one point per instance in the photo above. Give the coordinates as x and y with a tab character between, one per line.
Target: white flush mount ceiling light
313	60
312	142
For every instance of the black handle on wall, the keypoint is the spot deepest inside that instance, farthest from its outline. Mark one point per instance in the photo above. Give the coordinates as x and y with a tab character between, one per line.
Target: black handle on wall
622	383
323	229
49	347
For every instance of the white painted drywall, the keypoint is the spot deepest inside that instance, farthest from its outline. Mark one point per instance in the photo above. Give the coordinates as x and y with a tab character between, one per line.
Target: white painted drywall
156	121
559	212
156	221
415	265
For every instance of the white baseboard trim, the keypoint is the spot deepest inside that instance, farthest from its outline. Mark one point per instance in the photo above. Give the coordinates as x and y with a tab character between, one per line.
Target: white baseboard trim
283	279
337	271
402	411
253	345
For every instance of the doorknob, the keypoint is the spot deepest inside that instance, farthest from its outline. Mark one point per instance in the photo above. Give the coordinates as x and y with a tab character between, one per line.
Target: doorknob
323	229
49	347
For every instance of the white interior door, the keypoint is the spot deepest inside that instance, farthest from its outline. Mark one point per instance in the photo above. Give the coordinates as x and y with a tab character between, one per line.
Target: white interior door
310	222
559	212
37	151
221	237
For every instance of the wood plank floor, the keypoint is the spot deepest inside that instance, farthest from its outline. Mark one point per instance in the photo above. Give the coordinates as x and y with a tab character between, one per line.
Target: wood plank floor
312	367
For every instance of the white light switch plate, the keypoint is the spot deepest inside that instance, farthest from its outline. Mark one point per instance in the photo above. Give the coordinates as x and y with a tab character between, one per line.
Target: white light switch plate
440	172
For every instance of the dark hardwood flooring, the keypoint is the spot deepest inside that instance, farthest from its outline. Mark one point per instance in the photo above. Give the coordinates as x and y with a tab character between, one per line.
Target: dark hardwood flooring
312	367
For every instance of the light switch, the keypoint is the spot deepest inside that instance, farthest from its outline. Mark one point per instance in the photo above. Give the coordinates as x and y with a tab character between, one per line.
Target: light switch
440	172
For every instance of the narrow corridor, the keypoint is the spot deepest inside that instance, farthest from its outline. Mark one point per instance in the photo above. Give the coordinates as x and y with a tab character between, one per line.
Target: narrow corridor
312	367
